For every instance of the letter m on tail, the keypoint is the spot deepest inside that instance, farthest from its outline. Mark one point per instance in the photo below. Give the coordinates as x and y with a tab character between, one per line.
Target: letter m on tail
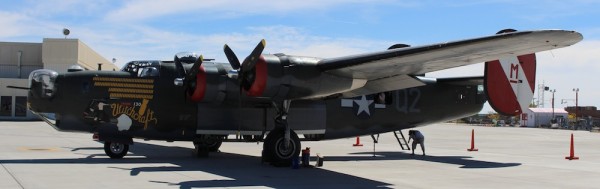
514	73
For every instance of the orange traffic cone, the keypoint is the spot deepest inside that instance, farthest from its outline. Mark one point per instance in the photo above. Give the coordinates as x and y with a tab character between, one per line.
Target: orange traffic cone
472	142
572	155
357	142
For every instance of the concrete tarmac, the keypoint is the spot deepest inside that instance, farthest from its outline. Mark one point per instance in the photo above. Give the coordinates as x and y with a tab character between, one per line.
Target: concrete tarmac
33	155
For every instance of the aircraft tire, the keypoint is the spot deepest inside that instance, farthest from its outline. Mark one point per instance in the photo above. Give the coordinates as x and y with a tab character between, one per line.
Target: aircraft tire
115	150
213	144
274	150
201	151
214	147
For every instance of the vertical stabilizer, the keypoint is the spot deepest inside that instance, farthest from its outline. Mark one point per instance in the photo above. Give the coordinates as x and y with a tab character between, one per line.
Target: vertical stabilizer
510	83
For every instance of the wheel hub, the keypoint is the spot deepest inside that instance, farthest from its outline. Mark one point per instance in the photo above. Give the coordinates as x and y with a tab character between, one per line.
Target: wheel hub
285	148
116	148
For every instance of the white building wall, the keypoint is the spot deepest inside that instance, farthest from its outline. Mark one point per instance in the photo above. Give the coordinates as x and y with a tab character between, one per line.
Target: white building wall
60	54
542	116
17	60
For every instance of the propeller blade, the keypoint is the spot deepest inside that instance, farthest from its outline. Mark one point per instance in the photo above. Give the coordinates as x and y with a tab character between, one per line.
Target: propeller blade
233	60
251	60
192	73
179	67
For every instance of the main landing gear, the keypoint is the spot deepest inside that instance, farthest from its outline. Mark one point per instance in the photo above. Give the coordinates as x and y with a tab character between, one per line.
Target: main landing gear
281	144
207	143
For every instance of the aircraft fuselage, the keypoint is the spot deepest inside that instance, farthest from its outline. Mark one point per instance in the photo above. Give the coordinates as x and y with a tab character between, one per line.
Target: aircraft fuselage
120	104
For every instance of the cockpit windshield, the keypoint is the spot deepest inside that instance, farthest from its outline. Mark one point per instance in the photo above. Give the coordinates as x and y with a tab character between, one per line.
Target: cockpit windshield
142	68
186	57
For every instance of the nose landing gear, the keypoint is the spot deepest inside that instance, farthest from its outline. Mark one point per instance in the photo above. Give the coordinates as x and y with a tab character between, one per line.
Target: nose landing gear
116	150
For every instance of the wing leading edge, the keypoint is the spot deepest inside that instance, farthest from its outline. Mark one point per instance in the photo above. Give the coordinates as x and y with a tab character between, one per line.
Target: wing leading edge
428	58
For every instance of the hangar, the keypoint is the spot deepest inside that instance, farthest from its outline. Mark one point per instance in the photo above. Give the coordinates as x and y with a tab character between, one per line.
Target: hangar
538	117
18	59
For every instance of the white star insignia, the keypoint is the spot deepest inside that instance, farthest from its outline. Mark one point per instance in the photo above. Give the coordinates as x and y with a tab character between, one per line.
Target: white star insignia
363	105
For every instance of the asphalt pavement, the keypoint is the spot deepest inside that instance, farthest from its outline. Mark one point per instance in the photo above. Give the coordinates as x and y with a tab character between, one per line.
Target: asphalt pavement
33	155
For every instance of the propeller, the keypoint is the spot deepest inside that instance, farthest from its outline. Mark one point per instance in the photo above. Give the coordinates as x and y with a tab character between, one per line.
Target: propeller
195	68
187	79
245	70
179	67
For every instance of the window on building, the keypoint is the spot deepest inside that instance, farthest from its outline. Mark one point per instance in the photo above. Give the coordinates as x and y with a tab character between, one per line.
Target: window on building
6	106
20	106
19	62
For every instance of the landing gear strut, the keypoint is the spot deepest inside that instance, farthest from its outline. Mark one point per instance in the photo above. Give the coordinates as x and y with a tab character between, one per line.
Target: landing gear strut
115	150
281	144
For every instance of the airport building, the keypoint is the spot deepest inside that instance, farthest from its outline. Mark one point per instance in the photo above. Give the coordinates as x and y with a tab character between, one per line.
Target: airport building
18	59
541	117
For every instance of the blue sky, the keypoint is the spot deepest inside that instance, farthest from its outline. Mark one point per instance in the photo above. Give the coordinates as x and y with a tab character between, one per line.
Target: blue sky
154	29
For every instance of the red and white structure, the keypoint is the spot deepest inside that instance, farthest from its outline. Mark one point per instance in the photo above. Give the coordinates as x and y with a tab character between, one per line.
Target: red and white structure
510	83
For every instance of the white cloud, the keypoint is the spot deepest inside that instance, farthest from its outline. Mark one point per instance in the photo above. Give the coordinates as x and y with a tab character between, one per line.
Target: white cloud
138	42
581	55
296	41
572	67
9	23
16	25
65	7
137	10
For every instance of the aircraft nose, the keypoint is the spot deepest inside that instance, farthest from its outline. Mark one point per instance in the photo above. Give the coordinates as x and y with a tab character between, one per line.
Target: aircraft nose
42	83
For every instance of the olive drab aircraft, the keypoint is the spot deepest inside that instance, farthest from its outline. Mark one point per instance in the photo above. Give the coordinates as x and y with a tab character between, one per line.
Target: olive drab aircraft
274	98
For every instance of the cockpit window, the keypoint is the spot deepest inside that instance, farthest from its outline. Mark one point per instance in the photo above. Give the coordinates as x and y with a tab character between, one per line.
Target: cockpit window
149	72
142	68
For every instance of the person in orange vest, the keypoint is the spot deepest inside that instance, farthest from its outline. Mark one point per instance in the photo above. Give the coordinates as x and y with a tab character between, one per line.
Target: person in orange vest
417	137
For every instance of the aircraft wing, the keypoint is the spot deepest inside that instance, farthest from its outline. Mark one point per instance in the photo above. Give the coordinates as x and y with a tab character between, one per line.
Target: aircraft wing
395	68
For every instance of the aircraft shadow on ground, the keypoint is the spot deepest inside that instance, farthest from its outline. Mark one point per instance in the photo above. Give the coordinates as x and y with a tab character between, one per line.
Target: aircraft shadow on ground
235	170
463	161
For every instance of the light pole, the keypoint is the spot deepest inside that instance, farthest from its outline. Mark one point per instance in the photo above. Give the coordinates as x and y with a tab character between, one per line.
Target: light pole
576	90
553	91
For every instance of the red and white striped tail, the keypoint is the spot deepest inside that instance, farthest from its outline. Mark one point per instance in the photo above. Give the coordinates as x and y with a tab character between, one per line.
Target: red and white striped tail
510	83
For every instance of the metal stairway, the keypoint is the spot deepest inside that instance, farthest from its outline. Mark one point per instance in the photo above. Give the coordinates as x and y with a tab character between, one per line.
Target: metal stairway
401	140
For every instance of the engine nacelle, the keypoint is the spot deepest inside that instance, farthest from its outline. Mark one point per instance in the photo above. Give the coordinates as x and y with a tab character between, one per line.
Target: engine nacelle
210	83
281	76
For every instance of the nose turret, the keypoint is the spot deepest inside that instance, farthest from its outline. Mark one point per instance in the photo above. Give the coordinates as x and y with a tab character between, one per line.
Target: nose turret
42	88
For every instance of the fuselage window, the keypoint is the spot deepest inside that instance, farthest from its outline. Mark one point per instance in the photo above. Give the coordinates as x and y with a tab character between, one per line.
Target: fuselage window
149	72
383	98
142	68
